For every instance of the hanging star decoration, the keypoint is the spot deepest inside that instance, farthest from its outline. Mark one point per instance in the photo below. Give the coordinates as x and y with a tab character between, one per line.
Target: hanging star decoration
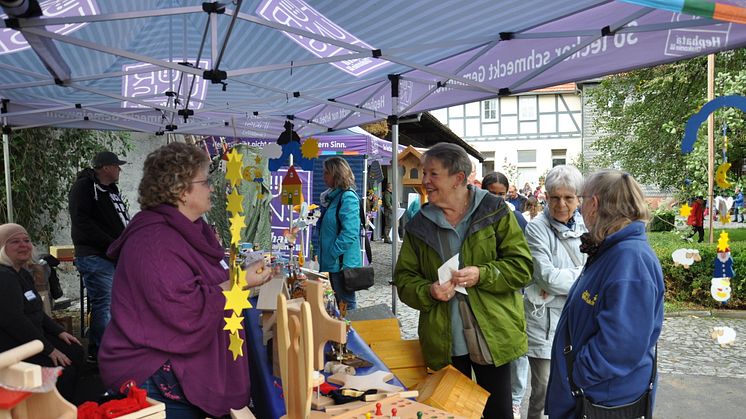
236	345
233	170
233	323
723	241
237	224
235	202
236	299
685	210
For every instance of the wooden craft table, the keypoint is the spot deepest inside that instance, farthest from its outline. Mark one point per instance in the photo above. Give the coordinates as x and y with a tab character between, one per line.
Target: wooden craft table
266	389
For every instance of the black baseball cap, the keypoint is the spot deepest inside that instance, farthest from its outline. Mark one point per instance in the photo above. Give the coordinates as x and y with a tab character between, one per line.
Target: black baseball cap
107	158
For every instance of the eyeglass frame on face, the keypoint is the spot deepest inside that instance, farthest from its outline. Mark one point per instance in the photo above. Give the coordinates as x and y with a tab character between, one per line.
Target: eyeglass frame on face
568	200
207	182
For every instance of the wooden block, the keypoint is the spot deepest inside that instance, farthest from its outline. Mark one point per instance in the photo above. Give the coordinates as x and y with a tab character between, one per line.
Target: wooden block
268	293
376	380
21	375
452	391
406	409
63	252
244	413
411	377
320	402
399	353
377	330
19	353
155	410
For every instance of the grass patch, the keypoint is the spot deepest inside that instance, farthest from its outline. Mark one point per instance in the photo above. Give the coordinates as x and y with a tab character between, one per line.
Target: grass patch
689	289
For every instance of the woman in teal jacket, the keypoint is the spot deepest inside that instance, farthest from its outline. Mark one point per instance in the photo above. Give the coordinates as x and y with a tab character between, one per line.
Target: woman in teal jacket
339	227
494	264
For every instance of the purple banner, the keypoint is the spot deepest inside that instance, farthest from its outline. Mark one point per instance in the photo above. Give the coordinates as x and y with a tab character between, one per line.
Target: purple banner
281	213
12	40
151	86
298	14
343	144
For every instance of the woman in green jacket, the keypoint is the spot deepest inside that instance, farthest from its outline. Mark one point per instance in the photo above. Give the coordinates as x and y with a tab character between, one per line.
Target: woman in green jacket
494	264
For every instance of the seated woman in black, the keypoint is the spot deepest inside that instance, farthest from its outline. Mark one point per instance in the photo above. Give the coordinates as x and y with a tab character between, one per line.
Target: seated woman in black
22	318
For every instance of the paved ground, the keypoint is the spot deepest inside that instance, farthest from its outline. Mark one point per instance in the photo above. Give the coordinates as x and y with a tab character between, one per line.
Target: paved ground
698	378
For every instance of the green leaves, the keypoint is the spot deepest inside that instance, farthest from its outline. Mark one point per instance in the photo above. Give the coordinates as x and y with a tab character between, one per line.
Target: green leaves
641	117
43	166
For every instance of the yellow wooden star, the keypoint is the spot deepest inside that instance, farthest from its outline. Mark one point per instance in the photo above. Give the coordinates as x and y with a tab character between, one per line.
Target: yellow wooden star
725	219
233	168
723	241
235	202
685	210
237	223
236	299
236	345
233	323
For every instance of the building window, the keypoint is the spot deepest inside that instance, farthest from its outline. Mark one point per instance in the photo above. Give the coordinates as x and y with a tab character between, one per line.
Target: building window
559	157
490	112
527	108
526	156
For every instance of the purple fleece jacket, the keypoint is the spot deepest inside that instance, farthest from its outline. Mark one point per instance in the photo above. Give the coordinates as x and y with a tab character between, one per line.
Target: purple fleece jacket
167	305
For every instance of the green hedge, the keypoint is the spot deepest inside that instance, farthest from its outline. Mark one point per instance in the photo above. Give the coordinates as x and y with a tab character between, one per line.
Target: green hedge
693	284
663	220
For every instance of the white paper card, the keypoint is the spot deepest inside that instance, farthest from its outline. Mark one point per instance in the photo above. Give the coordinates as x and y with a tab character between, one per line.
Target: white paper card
446	270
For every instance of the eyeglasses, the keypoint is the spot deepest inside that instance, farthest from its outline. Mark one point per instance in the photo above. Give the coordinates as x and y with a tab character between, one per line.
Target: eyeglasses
569	200
207	182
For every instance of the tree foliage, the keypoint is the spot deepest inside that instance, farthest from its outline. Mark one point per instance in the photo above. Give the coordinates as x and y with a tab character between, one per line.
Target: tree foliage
641	116
43	165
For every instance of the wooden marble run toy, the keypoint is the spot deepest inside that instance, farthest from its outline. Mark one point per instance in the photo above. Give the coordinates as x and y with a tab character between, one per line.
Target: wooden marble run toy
302	331
24	404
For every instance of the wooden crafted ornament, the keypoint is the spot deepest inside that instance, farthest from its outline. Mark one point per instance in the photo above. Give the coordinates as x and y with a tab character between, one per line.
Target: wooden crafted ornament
325	328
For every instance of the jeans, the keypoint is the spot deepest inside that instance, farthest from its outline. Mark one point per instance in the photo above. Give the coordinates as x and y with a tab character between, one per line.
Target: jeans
340	293
539	379
98	275
174	409
518	378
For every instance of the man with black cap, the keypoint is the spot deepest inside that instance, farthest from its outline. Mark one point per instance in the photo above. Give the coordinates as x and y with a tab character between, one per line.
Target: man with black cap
98	216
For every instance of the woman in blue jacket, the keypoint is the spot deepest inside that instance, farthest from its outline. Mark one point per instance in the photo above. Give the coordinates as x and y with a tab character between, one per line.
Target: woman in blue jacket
339	232
614	311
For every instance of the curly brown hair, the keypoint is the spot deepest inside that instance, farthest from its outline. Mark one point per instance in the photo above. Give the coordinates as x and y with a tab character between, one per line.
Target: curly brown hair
168	172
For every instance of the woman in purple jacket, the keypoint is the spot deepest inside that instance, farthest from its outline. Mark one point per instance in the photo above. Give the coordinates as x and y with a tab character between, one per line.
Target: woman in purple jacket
166	332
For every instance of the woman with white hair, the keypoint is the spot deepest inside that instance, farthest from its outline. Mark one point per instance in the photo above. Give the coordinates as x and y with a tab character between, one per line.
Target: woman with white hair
604	347
554	240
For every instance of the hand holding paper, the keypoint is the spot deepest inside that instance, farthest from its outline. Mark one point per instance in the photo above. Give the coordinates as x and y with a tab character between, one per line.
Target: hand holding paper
445	272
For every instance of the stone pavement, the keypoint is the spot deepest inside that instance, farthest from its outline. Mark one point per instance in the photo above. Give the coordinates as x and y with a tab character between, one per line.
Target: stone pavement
697	377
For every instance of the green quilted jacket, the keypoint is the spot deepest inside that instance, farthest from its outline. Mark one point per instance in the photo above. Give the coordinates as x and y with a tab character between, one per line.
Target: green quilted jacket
494	243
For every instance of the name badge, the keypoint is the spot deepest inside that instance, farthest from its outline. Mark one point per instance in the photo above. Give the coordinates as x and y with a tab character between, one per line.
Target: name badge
223	264
30	296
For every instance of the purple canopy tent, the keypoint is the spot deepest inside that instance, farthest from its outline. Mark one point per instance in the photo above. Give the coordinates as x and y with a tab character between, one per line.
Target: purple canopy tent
193	67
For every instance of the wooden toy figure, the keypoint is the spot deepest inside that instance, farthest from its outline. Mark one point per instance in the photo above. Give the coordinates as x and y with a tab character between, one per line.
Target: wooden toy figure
291	188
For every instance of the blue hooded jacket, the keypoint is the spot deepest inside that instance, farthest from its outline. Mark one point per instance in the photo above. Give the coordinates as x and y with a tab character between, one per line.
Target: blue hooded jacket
343	239
614	313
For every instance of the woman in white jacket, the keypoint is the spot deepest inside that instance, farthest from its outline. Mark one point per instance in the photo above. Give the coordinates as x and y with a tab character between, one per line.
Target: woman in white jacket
554	239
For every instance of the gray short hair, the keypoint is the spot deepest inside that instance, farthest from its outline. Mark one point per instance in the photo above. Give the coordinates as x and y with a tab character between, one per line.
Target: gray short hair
564	176
453	158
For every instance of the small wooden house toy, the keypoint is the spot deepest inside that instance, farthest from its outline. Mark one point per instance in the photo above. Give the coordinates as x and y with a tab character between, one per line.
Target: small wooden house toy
291	188
409	159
